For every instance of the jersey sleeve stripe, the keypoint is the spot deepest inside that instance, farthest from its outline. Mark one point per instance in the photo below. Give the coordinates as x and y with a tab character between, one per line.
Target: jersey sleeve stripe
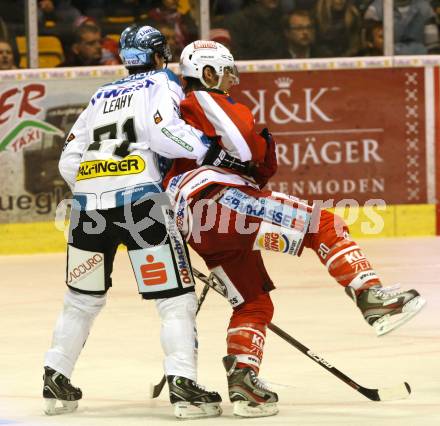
232	138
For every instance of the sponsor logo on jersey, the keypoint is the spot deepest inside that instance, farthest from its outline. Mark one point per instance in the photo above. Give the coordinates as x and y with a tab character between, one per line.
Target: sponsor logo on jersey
274	242
176	139
157	117
133	164
182	262
70	138
153	273
366	276
354	256
258	341
180	214
174	182
113	92
183	266
85	268
267	209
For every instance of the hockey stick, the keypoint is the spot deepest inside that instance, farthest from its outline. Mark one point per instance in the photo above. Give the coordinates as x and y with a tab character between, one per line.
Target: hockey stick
383	394
155	390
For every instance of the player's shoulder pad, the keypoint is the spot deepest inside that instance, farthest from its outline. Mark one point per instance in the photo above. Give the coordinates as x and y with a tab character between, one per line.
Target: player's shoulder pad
172	82
168	76
189	99
172	76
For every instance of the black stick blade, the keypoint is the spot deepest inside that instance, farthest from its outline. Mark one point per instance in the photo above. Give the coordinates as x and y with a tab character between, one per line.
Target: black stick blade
155	390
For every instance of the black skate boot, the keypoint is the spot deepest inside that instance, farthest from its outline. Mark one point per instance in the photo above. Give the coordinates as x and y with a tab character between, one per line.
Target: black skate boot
192	401
386	308
58	388
248	394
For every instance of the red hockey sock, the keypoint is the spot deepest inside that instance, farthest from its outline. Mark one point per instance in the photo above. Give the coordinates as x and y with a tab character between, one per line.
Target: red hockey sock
342	257
247	331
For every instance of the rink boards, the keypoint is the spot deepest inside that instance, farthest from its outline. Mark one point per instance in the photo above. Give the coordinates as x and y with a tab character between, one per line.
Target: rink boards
356	129
406	220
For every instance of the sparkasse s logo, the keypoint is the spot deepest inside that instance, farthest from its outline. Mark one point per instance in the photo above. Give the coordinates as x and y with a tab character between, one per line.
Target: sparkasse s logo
19	125
153	273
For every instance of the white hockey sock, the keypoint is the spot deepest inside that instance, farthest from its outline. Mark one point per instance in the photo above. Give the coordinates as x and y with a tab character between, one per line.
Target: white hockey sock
178	334
72	329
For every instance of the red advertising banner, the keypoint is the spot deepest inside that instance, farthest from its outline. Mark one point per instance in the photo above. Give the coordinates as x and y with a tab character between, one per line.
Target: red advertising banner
437	143
356	134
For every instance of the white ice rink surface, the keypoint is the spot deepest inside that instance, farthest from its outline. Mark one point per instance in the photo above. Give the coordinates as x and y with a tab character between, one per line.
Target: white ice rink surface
123	355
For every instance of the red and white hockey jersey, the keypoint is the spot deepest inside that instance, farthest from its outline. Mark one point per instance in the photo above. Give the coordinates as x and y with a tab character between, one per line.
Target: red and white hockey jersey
216	114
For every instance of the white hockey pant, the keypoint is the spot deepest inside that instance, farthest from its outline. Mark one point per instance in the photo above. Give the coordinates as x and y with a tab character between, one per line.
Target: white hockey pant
178	334
72	329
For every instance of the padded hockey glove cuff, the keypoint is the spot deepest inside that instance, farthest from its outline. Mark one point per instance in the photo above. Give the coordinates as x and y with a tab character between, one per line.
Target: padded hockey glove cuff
217	156
262	172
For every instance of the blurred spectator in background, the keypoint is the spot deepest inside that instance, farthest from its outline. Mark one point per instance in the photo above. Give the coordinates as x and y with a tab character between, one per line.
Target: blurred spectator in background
305	4
256	31
56	15
436	7
362	5
46	12
225	7
7	60
57	18
86	49
101	9
288	6
221	35
169	32
109	46
373	38
12	12
185	27
8	38
338	28
4	32
415	29
92	8
299	32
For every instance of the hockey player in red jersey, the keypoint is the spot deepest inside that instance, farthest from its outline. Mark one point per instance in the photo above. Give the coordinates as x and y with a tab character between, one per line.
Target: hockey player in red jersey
228	218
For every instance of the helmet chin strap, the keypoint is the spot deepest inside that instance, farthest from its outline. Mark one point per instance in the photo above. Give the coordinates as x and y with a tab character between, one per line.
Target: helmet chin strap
220	80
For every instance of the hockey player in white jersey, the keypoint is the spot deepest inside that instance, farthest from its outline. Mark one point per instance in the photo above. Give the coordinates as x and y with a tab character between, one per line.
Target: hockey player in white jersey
112	162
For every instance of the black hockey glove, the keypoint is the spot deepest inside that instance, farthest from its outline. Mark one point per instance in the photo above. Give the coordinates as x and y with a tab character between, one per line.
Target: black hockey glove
217	156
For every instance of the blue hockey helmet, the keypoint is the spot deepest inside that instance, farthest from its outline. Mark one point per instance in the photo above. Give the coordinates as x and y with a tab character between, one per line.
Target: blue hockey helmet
137	46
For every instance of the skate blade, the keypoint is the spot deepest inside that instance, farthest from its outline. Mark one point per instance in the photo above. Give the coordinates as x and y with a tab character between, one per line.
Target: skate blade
184	410
243	409
50	408
390	322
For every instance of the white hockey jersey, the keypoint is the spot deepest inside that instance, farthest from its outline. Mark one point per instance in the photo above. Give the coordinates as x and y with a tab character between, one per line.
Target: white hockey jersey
111	155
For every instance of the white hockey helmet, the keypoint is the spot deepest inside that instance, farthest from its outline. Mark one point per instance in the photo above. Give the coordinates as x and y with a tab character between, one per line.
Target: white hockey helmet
198	54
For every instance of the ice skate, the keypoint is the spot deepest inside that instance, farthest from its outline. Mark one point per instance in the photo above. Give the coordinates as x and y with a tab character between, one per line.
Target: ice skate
386	308
249	395
192	401
58	388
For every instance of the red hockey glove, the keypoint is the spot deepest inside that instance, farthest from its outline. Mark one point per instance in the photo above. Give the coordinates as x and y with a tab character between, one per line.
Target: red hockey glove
262	172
